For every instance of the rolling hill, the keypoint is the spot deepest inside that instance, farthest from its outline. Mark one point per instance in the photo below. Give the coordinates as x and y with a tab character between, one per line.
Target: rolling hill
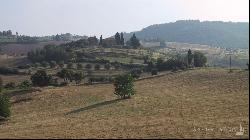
201	103
214	33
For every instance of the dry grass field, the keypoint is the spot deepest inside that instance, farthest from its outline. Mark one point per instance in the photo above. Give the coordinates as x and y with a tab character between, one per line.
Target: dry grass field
202	103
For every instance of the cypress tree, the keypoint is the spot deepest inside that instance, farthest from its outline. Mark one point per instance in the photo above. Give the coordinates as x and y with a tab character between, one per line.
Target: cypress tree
122	39
117	38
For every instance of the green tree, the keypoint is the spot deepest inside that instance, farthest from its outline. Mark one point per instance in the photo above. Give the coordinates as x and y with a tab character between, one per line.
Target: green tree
100	43
124	86
40	78
134	42
200	59
4	106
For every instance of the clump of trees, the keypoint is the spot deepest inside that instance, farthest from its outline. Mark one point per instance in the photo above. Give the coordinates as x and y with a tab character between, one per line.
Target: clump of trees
124	86
25	84
200	59
196	59
49	53
70	75
6	33
6	70
41	78
119	39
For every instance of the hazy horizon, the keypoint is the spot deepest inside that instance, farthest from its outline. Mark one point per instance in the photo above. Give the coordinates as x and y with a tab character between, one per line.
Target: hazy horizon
96	17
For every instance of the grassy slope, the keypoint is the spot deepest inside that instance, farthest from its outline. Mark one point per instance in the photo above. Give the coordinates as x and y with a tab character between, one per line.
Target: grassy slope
165	107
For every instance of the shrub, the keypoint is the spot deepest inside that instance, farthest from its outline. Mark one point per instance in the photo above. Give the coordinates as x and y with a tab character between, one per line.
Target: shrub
10	85
40	78
25	84
124	86
4	106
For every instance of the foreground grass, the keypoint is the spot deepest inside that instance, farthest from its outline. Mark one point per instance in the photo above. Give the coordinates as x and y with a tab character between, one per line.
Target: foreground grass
204	103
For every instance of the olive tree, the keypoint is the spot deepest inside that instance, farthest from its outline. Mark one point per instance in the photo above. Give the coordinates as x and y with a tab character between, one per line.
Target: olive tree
124	86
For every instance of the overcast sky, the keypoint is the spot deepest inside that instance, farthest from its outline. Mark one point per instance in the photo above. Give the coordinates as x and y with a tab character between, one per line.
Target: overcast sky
96	17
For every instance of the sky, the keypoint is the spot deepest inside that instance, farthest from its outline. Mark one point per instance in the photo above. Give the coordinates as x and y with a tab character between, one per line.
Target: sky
106	17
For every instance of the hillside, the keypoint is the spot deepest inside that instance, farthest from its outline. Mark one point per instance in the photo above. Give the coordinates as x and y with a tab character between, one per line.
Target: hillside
186	104
215	33
24	48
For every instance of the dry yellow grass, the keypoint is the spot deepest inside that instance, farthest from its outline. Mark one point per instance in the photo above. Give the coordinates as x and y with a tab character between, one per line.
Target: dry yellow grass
172	106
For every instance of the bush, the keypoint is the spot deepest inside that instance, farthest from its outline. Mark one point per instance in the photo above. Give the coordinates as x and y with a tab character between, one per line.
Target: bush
25	85
154	72
124	86
4	106
10	85
40	78
171	64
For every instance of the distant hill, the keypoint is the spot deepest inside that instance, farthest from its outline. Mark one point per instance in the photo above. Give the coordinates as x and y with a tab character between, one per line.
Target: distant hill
213	33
